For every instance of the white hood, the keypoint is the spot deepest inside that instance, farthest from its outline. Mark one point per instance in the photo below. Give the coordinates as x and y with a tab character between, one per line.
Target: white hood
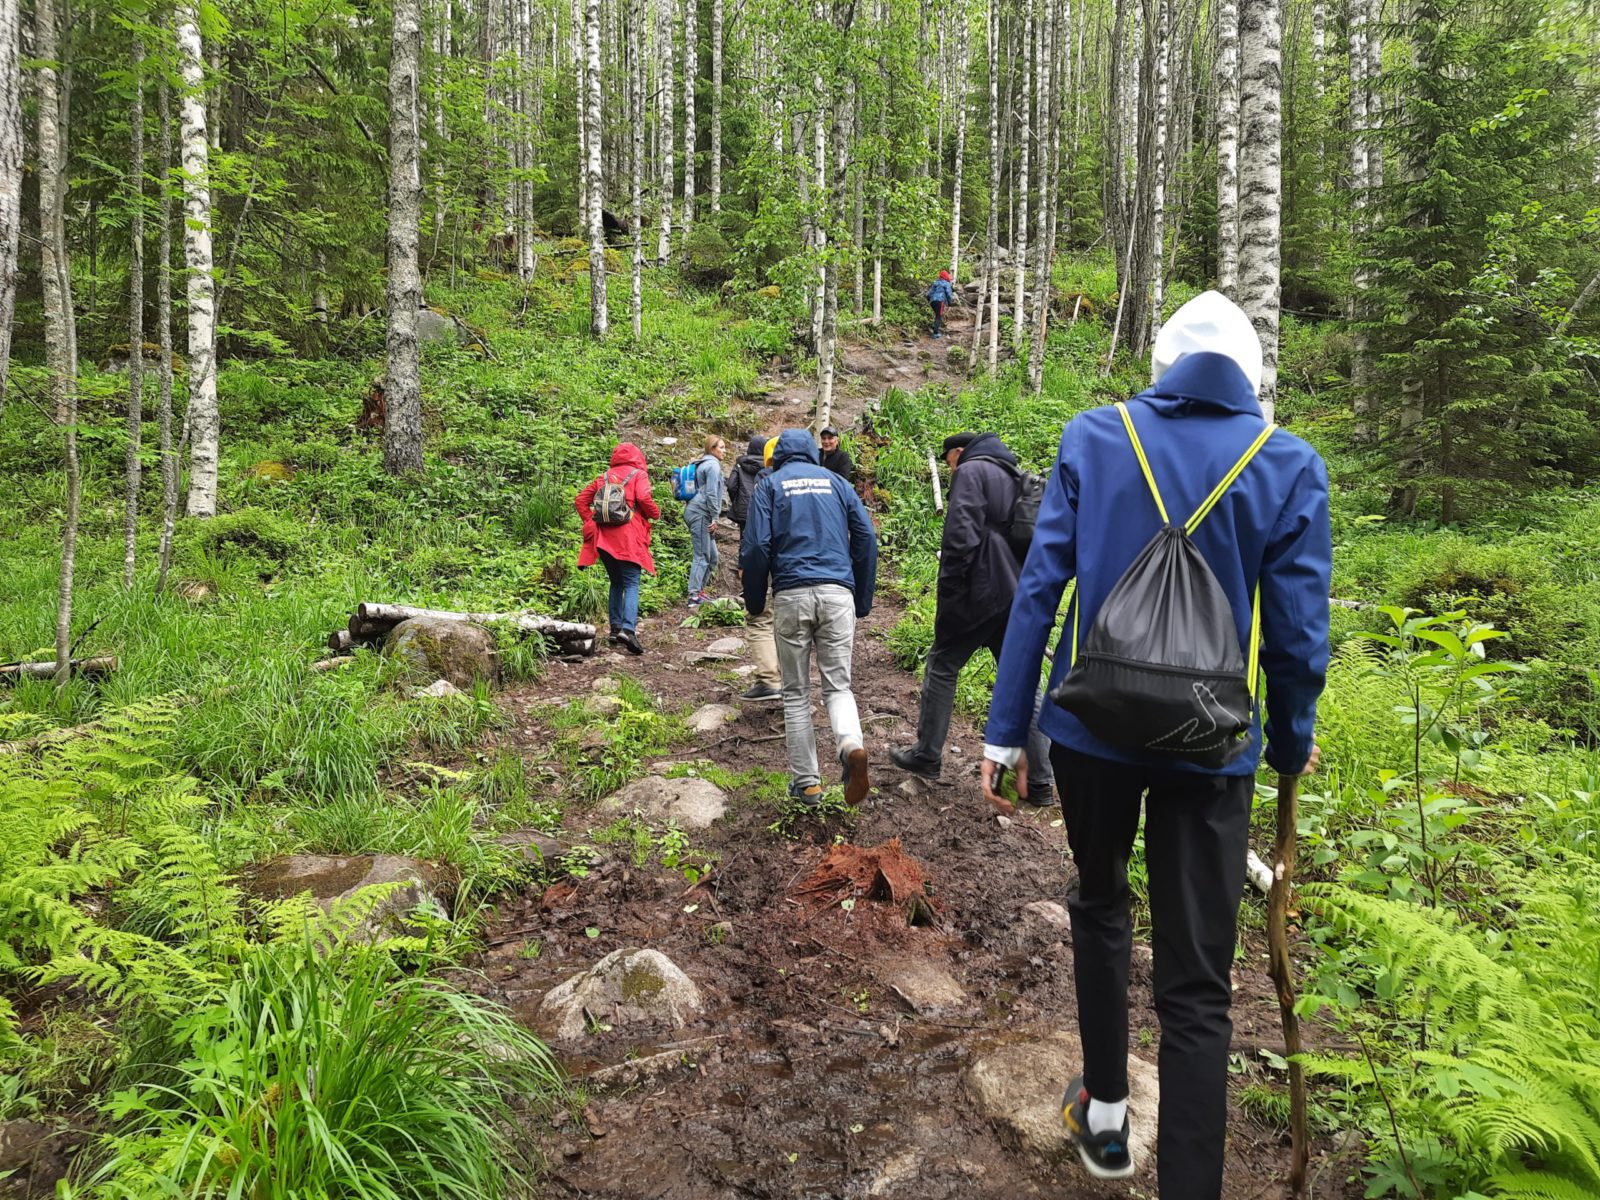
1210	322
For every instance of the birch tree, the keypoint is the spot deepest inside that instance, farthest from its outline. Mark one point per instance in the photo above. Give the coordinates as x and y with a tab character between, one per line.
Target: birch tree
963	65
402	427
170	453
58	315
131	468
1227	85
992	265
580	101
691	71
1158	180
200	288
1019	246
665	132
598	319
636	76
716	106
10	177
1261	179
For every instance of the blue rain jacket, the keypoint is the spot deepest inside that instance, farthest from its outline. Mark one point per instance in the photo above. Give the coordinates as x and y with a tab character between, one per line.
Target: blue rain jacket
1271	525
806	527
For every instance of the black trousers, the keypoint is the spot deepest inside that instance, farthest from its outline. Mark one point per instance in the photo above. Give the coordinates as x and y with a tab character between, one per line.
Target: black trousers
1195	840
938	314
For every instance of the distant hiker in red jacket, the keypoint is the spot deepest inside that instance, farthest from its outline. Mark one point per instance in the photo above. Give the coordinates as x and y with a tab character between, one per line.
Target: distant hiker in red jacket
617	509
940	294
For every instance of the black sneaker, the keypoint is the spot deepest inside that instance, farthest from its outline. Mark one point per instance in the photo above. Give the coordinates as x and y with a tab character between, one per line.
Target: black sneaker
1104	1155
630	641
1040	795
614	637
907	759
761	691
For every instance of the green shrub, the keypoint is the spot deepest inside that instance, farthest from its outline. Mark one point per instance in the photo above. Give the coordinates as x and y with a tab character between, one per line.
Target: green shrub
251	531
336	1074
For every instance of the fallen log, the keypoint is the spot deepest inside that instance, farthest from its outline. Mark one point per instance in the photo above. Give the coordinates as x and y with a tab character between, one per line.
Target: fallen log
393	614
331	664
89	668
938	492
341	641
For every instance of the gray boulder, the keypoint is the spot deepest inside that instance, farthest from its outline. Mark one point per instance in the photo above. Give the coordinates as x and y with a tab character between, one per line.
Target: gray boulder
692	803
436	648
1019	1088
436	327
626	987
332	878
709	718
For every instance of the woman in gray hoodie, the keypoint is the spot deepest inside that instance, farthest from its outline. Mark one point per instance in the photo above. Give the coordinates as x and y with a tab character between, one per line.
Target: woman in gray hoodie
700	514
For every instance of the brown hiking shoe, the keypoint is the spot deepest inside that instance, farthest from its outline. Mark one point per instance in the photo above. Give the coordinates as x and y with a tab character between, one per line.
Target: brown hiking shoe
856	782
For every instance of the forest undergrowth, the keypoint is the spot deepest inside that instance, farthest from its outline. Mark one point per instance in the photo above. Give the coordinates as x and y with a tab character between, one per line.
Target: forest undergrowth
1450	930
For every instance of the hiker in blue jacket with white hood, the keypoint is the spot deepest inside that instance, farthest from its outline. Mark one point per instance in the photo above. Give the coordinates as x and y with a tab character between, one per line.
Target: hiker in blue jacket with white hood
1166	616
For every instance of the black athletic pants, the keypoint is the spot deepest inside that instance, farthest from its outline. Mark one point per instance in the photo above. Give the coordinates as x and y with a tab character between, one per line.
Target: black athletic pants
938	315
1195	841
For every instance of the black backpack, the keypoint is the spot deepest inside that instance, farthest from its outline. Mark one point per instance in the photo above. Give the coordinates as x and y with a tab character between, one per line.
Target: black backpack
1024	509
1160	670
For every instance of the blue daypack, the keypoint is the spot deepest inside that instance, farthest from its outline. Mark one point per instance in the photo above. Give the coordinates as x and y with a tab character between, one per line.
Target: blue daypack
686	480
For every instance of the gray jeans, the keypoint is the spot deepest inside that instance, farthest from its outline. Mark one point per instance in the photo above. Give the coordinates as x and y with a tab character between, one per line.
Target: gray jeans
824	618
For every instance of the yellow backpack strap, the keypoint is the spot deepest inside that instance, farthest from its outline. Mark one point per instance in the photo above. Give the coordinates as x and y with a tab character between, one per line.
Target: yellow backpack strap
1144	463
1210	501
1254	676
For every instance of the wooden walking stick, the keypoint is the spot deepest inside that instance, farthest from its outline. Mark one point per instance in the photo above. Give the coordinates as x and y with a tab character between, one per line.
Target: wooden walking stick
1282	971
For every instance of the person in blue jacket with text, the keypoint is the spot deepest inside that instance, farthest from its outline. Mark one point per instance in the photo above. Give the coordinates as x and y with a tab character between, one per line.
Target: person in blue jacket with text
808	536
1269	530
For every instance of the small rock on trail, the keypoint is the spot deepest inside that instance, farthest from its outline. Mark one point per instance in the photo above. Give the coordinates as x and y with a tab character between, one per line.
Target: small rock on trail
709	718
1047	915
626	987
927	987
332	878
692	803
1019	1087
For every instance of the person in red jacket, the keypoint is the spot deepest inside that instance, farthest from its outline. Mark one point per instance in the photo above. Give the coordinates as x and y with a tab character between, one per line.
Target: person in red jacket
621	546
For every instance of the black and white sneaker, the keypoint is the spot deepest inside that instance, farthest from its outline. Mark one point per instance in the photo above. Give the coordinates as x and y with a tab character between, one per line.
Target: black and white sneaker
761	692
1104	1155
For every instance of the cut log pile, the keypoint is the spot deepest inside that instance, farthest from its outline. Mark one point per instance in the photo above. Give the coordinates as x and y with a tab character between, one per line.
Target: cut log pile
89	668
370	624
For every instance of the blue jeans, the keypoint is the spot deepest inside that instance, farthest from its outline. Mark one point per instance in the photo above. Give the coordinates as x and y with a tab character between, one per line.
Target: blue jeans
706	555
623	607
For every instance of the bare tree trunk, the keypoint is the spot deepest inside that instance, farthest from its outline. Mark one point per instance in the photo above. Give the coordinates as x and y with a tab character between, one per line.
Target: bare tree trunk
636	77
1261	180
200	288
1158	181
1319	47
1372	78
665	52
11	140
691	72
580	101
402	428
1227	85
716	106
880	188
131	467
963	65
58	313
170	454
819	136
992	267
1052	70
1019	247
598	319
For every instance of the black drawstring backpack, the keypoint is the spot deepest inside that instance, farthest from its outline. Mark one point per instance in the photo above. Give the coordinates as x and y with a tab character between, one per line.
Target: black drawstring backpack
1161	671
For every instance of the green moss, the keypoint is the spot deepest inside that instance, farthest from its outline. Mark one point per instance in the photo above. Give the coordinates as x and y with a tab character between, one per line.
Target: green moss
641	981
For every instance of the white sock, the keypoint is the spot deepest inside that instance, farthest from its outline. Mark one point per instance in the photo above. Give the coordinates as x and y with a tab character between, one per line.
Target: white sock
1107	1117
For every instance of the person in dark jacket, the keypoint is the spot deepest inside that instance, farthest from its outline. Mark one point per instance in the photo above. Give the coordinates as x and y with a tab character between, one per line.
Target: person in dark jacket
623	549
742	480
1267	536
978	572
808	537
834	457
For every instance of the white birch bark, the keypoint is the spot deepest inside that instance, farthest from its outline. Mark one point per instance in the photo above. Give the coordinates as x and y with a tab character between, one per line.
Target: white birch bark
1319	47
58	315
131	466
598	318
170	454
636	163
1373	79
402	429
1261	179
200	288
880	200
1227	86
1019	247
666	131
1356	21
819	137
1158	184
10	177
992	267
691	71
580	94
716	106
1052	71
963	65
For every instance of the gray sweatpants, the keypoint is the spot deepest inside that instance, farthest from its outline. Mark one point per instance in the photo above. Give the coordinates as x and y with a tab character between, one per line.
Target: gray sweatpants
821	618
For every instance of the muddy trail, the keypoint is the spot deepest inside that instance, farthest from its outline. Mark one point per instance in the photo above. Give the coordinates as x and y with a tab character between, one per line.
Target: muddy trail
878	1003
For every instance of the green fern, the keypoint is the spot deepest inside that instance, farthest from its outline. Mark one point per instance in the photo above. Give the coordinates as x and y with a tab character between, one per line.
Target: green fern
1510	1077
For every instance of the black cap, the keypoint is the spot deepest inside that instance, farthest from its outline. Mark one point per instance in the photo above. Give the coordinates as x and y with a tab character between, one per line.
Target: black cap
828	431
958	441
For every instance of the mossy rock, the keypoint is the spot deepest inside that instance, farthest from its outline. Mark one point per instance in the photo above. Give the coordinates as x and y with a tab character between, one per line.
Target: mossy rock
269	471
117	358
252	531
771	292
436	648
